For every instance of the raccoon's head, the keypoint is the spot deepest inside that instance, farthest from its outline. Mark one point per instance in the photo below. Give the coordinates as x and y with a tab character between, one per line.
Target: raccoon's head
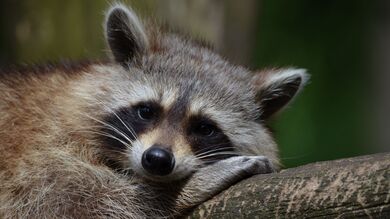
175	106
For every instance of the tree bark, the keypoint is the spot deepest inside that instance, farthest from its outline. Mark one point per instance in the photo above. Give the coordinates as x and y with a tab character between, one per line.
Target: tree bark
356	187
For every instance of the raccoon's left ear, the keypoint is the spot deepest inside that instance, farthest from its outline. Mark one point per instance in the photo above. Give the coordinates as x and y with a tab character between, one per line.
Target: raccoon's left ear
125	35
275	88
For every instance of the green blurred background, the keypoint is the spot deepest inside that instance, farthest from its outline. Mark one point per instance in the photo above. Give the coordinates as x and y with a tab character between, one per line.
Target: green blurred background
345	45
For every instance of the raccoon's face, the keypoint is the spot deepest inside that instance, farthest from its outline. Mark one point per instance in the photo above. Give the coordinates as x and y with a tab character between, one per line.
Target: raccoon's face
175	106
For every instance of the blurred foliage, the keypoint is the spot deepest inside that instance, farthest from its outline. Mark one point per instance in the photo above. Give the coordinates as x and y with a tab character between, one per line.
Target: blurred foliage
329	38
50	30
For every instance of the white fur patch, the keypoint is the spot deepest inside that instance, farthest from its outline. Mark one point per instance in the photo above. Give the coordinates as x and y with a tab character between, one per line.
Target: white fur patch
142	92
169	97
197	105
285	75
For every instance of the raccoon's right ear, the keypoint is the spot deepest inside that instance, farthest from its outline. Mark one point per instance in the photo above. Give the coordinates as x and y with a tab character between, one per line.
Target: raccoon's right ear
125	35
275	88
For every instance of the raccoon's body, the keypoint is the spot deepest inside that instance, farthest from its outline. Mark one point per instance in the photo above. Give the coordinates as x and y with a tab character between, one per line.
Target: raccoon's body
164	126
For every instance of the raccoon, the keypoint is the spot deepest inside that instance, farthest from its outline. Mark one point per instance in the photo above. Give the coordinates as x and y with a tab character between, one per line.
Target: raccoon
162	126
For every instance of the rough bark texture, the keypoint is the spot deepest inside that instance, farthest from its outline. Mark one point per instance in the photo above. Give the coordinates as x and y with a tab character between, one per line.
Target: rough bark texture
349	188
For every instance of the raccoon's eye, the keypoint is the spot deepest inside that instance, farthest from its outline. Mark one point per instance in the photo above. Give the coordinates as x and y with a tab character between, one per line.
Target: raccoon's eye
205	130
145	112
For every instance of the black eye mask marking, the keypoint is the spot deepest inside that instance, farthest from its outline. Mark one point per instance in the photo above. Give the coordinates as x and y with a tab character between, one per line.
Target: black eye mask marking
132	122
207	140
125	125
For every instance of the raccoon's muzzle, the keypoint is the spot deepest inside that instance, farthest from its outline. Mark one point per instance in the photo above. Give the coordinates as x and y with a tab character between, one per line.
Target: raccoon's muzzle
158	161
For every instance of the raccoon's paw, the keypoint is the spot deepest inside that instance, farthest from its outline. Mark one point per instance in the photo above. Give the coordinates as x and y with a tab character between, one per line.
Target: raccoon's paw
249	165
212	179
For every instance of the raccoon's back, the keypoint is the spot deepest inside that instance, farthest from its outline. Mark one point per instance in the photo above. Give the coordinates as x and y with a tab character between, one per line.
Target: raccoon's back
29	110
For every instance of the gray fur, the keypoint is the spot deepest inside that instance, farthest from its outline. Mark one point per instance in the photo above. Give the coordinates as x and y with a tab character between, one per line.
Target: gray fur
53	164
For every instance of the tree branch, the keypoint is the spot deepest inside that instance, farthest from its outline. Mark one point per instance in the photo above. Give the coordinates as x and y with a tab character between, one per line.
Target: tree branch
347	188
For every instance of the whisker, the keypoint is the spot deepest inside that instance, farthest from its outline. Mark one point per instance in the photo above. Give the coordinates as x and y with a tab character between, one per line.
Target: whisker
131	130
116	151
106	135
110	126
93	128
206	149
217	154
212	150
128	126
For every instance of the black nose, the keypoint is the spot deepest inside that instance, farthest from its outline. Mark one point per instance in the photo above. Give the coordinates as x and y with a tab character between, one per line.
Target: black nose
158	161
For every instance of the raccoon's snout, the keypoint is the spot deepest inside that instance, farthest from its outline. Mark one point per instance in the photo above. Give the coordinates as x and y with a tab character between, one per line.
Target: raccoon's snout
158	161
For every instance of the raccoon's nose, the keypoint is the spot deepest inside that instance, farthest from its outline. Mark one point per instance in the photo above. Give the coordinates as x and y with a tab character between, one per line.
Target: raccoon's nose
158	161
